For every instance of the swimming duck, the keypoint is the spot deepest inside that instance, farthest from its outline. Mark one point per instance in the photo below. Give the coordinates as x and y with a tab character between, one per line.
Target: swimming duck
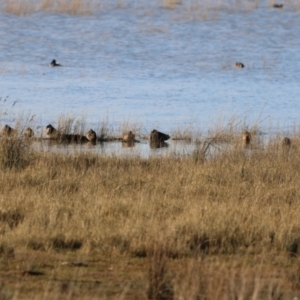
239	65
91	135
158	137
28	133
54	63
286	142
246	137
128	137
50	130
7	130
278	5
63	137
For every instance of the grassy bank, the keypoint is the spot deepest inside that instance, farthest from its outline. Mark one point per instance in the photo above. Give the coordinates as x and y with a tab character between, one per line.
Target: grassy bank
181	221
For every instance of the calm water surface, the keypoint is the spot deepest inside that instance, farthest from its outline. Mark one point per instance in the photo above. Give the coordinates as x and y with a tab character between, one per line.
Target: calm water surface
156	67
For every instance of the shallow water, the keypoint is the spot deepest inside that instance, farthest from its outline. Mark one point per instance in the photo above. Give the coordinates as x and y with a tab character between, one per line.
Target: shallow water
160	68
141	150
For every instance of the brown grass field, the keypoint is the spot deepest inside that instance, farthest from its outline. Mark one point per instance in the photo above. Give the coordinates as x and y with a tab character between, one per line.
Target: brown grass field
215	224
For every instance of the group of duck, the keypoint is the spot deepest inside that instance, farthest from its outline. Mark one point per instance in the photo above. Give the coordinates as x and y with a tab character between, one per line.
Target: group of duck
237	64
8	131
247	138
157	138
240	64
55	64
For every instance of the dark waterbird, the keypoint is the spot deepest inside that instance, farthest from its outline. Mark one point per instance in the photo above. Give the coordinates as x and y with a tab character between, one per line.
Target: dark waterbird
278	5
157	139
54	63
157	136
286	142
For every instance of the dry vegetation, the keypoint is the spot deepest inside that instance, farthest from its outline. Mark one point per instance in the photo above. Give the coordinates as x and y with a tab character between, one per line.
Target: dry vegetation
75	7
222	223
189	8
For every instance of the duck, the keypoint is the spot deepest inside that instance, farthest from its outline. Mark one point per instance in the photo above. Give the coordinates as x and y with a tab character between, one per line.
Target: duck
54	134
91	135
8	131
158	137
28	133
128	137
286	142
54	63
239	65
246	137
51	131
278	5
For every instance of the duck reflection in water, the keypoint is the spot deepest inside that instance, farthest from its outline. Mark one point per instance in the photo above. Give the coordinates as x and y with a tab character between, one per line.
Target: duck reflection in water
158	145
128	144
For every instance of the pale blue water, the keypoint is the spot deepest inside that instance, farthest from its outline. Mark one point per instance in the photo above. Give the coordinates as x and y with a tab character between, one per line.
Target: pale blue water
160	68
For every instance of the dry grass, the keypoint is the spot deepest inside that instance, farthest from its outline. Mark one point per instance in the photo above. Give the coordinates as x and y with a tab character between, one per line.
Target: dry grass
200	10
171	4
74	7
234	203
71	125
204	279
14	153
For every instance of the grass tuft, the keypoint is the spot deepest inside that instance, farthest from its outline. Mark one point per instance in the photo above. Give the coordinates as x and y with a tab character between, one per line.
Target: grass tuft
12	218
6	251
74	7
14	153
61	243
160	286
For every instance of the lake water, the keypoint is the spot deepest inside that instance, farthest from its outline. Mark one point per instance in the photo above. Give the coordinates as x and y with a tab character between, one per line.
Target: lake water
142	64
